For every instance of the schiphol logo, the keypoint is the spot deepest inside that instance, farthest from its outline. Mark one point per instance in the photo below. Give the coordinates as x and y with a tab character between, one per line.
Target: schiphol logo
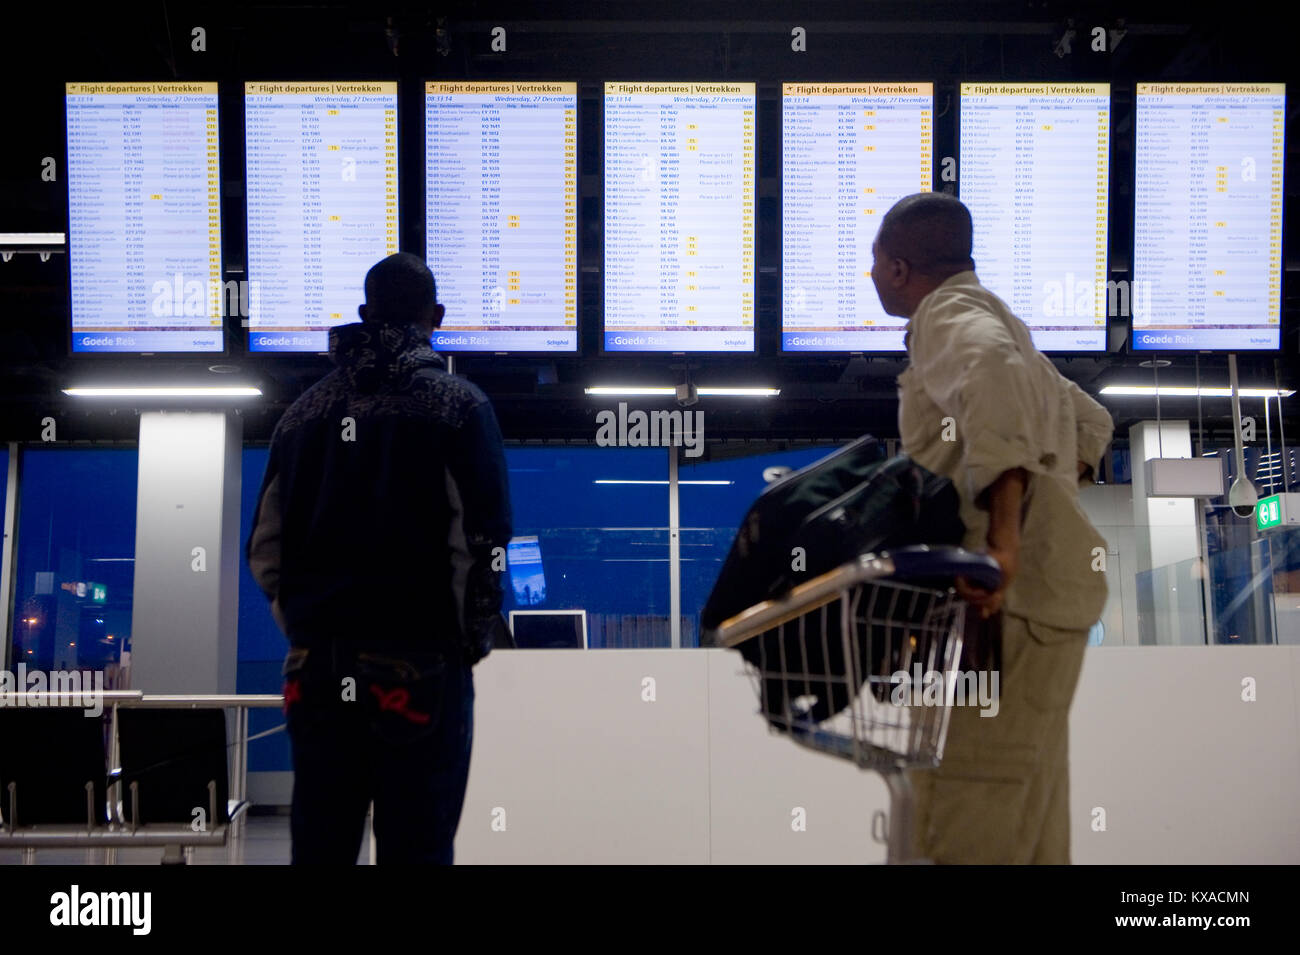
651	429
194	298
937	688
1083	298
61	688
102	909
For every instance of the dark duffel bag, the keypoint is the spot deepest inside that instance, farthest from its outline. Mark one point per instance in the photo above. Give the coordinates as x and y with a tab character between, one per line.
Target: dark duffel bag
852	502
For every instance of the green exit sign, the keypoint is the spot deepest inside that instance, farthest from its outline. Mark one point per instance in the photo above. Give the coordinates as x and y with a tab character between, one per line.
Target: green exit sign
98	593
1277	510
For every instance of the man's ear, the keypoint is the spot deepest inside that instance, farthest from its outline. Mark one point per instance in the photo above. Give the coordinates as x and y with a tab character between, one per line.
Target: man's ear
438	312
902	272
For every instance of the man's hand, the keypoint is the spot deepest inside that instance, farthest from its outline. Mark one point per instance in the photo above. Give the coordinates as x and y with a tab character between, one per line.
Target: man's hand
989	602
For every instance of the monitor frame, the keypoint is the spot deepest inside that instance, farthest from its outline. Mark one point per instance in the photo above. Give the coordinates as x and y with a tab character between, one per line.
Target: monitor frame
581	614
225	351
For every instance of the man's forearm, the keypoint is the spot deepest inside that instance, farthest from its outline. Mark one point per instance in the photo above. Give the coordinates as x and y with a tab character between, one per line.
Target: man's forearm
1005	497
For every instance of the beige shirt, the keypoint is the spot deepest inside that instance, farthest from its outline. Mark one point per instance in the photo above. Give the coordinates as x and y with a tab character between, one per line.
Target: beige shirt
978	399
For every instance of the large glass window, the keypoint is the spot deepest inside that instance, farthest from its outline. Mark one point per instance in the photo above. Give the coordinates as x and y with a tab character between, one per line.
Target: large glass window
713	498
600	517
261	644
75	567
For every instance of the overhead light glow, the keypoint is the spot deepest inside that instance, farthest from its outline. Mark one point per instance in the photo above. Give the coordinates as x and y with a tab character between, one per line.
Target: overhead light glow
184	391
621	481
645	391
1169	391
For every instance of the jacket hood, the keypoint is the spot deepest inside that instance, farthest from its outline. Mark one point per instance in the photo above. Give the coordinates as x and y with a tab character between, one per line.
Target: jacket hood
378	357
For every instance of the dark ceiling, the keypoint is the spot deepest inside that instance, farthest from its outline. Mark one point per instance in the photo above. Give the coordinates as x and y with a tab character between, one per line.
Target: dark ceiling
823	397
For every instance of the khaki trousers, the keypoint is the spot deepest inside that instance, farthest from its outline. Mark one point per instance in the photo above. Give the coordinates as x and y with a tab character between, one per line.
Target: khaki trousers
1001	794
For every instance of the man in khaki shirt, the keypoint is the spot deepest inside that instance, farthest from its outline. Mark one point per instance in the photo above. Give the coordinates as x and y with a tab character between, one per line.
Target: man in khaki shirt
981	406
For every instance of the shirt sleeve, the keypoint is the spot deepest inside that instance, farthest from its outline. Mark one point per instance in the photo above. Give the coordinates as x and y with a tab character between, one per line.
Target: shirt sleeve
263	548
972	369
477	467
1093	423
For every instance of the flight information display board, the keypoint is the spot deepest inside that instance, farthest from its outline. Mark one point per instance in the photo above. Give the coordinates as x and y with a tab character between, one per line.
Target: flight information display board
849	151
1207	226
144	217
679	217
321	165
1035	175
501	193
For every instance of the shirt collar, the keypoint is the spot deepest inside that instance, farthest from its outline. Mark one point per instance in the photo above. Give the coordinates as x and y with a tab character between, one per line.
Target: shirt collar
965	278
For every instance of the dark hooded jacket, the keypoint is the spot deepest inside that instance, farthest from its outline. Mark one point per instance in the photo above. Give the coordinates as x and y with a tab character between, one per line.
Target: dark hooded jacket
384	503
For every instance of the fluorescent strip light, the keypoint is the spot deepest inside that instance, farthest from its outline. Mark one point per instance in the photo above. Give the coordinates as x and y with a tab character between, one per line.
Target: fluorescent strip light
31	238
178	392
633	391
1166	391
620	481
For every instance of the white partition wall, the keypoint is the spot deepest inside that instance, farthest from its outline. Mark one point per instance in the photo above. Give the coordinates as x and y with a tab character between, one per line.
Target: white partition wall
187	553
587	770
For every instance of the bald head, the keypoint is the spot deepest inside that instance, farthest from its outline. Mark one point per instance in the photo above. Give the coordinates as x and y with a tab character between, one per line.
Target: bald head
931	230
923	240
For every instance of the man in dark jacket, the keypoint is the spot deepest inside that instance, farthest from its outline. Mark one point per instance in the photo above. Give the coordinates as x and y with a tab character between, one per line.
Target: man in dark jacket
379	539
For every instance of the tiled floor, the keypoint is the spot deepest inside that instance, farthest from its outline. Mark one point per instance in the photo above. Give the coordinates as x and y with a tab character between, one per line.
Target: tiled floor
265	841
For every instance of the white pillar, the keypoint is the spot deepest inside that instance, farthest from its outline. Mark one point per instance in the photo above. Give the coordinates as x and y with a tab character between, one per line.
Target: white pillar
1168	543
187	552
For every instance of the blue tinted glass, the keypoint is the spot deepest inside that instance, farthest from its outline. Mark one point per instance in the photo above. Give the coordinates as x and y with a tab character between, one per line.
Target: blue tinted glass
714	496
600	517
75	571
261	644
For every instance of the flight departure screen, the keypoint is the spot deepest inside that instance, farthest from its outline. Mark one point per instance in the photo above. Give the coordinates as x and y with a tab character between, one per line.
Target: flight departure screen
679	217
321	161
1034	174
849	151
1207	227
144	217
501	188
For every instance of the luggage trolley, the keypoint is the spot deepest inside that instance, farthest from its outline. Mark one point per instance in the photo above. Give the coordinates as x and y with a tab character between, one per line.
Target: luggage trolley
826	659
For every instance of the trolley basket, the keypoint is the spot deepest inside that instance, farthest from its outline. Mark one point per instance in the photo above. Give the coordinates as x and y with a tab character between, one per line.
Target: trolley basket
862	662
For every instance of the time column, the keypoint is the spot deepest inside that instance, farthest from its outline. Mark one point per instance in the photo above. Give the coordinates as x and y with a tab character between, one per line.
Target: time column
1103	159
927	162
214	215
1275	221
390	180
570	217
747	217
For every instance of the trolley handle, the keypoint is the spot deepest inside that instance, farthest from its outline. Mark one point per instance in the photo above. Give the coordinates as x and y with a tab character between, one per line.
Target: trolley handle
944	563
917	564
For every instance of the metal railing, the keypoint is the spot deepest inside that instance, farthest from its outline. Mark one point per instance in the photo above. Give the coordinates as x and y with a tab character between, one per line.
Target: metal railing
115	700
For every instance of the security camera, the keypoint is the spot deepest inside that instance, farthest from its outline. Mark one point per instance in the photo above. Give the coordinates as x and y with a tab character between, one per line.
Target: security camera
687	395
